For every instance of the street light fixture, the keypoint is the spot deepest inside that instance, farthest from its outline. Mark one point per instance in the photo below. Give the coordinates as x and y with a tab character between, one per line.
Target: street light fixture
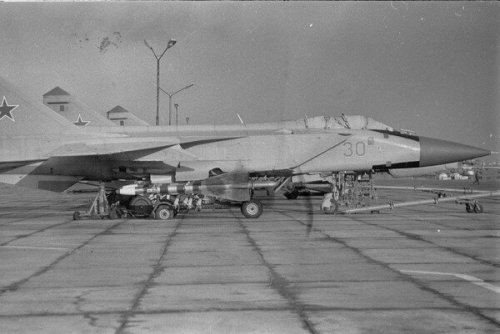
176	105
171	43
170	100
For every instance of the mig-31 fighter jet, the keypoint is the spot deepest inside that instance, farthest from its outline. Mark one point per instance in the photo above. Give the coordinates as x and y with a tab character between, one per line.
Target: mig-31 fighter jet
222	164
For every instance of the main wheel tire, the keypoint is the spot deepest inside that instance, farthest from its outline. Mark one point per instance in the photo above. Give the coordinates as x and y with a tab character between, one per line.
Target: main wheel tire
164	212
478	208
76	215
141	205
252	209
469	208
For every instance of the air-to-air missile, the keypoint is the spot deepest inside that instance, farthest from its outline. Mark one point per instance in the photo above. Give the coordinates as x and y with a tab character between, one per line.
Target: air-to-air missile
217	186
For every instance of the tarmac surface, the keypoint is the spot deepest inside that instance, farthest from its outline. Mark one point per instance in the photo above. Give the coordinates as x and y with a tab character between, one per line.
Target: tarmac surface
423	269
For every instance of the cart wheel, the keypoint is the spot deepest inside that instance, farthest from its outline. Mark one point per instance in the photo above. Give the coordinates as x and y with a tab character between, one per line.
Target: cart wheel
292	195
76	215
478	208
252	209
114	214
142	205
468	208
164	212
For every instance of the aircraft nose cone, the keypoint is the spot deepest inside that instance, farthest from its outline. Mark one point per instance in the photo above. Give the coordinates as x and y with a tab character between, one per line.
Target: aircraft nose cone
437	152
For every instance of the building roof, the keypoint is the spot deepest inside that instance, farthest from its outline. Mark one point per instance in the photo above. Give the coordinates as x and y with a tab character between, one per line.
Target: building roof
117	109
56	92
75	111
124	114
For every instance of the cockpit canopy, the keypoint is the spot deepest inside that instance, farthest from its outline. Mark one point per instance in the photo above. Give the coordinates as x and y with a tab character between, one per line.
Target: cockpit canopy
344	122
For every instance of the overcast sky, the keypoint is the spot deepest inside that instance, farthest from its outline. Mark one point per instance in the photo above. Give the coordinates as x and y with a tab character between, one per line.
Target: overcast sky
424	66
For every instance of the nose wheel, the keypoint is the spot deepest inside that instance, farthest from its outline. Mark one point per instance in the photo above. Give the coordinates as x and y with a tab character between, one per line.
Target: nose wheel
329	204
474	207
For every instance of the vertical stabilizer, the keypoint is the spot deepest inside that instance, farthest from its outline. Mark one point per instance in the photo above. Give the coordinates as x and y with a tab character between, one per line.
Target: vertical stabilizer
20	115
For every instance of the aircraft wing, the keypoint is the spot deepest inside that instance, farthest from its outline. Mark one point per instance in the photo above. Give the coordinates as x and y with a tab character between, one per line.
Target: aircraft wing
95	158
9	165
124	158
110	146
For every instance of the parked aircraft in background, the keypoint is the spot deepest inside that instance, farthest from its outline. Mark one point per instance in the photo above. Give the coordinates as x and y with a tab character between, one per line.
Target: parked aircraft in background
206	164
456	171
471	169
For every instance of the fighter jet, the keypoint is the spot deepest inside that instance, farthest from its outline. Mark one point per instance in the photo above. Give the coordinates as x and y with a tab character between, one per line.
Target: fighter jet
221	164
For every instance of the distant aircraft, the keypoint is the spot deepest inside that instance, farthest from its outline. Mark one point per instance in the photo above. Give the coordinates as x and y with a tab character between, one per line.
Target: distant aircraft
206	164
456	170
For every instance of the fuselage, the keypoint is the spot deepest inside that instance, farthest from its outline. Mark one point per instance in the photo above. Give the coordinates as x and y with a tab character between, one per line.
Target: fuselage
196	150
324	151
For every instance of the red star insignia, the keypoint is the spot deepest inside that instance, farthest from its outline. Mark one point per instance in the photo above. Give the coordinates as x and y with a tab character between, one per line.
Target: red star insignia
81	122
6	110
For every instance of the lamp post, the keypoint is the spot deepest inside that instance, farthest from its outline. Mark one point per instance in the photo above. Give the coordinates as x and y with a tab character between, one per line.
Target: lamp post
176	105
171	43
170	95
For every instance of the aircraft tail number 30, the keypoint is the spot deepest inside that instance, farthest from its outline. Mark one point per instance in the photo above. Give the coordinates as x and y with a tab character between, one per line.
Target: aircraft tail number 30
357	148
